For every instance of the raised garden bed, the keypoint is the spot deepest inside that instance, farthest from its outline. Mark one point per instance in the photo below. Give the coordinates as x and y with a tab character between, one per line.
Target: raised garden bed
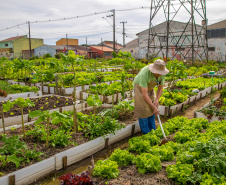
171	110
47	102
57	160
212	111
14	91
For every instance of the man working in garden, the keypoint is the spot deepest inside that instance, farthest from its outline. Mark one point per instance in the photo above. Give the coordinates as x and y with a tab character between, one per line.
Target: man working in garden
146	103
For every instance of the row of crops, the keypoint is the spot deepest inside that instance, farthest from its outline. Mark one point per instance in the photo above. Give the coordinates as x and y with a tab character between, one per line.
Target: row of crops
54	131
20	69
200	157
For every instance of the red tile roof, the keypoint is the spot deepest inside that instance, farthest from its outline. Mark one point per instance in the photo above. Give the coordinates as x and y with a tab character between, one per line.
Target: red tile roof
102	48
13	38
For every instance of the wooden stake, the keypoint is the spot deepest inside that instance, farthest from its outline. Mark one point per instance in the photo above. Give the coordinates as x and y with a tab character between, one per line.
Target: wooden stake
165	112
106	142
12	180
133	130
64	161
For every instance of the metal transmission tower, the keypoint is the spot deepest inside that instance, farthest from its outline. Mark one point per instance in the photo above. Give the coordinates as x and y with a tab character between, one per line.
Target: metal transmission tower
183	39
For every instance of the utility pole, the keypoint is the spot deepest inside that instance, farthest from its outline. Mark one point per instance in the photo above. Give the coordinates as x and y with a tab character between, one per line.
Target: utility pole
67	43
123	33
114	28
29	28
102	47
86	48
113	14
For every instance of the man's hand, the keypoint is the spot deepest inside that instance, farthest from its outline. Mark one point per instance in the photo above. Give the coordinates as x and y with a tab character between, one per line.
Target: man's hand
155	111
156	103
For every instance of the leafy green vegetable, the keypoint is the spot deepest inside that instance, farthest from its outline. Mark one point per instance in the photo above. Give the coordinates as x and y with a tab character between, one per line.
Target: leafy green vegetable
106	169
180	172
148	163
122	157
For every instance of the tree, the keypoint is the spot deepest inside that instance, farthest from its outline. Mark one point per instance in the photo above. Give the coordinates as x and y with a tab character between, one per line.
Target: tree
73	60
21	102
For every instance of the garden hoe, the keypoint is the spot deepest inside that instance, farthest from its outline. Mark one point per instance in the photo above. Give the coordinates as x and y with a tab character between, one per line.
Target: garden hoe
164	141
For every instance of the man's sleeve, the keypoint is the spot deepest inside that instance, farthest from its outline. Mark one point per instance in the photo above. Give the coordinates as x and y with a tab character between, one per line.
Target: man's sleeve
163	80
143	81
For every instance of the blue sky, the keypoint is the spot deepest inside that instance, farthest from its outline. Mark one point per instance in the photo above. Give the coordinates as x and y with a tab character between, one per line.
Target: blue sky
95	27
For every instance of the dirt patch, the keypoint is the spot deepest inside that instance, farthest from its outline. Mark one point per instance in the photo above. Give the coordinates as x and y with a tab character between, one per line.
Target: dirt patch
41	103
130	176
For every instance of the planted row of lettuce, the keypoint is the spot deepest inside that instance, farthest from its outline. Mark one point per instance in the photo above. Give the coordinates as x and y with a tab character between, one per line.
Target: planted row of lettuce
182	90
200	157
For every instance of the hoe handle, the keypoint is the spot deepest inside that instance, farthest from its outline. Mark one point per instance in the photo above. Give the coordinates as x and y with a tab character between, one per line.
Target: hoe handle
161	126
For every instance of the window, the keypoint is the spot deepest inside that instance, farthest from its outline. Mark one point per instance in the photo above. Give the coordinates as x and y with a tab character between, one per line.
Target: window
6	45
216	33
162	38
107	54
211	48
179	49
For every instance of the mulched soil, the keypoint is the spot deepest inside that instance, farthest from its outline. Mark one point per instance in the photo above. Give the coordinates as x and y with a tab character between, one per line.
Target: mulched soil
128	175
127	118
41	103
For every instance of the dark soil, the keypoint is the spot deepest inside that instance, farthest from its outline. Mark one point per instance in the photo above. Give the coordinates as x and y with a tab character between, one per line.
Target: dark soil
130	176
41	103
127	118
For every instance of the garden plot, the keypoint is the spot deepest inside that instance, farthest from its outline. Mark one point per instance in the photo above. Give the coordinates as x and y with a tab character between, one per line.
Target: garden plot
145	162
169	100
38	170
69	91
10	91
213	111
47	102
106	99
73	154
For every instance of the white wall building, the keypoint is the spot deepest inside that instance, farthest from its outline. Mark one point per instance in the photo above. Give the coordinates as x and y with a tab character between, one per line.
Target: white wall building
216	34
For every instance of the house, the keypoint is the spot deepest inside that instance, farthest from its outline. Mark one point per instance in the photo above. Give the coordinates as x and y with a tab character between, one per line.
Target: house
216	34
132	47
44	49
178	43
67	42
101	52
20	46
6	46
84	51
110	44
179	40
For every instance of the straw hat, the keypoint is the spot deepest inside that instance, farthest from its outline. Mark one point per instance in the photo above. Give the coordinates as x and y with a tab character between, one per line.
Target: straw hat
158	67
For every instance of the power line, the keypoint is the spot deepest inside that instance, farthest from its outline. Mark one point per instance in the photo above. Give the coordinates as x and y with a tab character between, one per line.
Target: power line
69	18
77	31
